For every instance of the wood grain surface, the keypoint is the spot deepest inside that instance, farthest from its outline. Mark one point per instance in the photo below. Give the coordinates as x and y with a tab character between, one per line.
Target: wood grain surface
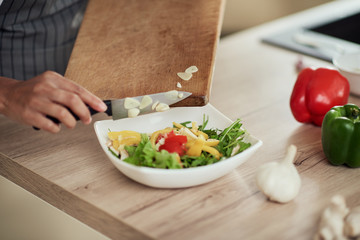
252	81
132	48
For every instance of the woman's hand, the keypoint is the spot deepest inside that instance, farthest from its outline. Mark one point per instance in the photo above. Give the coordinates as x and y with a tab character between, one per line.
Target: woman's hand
49	94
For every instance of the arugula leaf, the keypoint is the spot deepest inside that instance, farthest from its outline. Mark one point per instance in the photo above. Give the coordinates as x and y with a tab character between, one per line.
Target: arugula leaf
204	123
202	160
185	124
231	137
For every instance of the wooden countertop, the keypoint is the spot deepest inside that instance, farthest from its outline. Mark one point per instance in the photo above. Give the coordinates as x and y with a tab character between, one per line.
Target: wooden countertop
252	81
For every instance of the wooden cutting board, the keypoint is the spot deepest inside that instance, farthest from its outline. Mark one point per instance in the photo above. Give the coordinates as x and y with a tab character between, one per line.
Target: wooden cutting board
137	47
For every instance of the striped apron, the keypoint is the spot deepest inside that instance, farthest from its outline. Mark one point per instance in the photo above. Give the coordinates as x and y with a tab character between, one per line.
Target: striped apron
37	35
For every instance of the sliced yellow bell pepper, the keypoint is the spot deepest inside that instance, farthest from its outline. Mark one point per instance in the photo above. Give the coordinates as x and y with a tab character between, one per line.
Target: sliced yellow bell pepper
196	148
125	133
189	143
212	142
209	142
116	144
178	125
156	134
194	126
129	140
212	151
200	133
124	138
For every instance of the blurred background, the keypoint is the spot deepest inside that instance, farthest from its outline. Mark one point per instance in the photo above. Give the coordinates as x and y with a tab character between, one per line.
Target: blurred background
25	216
242	14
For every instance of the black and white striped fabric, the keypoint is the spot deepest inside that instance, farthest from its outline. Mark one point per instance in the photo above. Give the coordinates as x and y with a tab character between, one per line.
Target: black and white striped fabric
37	35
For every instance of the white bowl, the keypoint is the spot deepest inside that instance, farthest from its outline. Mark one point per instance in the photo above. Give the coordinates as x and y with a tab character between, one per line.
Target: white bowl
349	66
174	178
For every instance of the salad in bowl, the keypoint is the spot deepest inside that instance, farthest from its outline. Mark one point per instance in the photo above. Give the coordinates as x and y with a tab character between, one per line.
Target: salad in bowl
178	146
182	147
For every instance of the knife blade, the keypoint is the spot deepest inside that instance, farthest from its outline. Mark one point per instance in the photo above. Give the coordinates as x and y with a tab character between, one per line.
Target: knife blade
119	111
116	107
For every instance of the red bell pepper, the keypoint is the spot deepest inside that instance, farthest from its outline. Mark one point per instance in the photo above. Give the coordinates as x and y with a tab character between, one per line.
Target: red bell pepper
173	143
315	92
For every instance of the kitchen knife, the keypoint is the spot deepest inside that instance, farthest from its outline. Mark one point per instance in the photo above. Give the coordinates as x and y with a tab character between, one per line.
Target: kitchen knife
116	108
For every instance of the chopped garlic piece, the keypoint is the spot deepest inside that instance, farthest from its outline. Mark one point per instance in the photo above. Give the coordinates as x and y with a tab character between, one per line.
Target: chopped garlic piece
172	95
161	107
235	150
159	143
191	69
178	85
133	112
190	135
180	95
184	75
116	152
154	105
145	101
131	103
109	143
123	153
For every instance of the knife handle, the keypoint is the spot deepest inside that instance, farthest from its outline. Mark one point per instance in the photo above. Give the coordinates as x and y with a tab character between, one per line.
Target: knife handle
91	110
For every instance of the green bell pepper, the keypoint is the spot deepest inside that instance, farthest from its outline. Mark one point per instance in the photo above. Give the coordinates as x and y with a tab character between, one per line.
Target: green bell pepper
340	135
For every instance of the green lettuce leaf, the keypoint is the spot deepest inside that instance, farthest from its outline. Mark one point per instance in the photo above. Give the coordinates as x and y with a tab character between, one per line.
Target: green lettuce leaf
145	155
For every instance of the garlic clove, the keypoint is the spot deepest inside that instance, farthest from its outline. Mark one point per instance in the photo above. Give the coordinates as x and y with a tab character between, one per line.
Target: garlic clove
235	150
153	107
145	101
191	69
178	84
131	103
162	107
172	95
133	112
279	181
123	153
184	75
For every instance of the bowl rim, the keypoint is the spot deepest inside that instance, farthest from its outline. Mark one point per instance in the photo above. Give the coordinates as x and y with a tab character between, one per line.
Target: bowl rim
338	64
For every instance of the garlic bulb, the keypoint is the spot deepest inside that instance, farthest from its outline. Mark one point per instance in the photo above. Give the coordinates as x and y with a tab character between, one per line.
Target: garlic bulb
331	224
352	223
280	181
